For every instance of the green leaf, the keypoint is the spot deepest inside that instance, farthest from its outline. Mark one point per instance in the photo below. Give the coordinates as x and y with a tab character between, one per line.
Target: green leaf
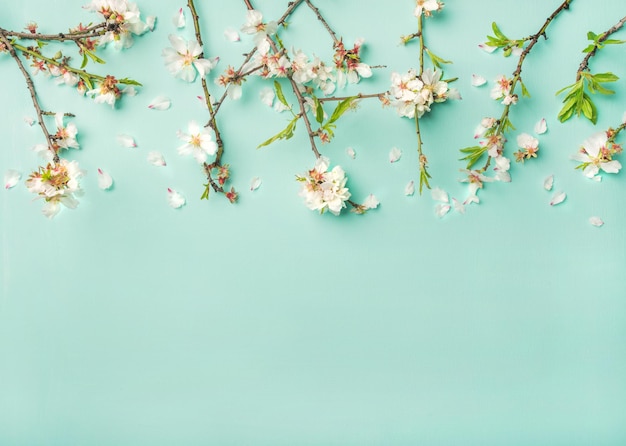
319	110
286	133
341	108
613	42
497	31
605	77
591	35
525	92
589	49
280	94
205	194
85	60
474	154
95	58
436	60
127	81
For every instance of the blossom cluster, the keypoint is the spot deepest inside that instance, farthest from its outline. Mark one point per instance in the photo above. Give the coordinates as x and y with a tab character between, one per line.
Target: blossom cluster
57	183
122	19
323	189
413	95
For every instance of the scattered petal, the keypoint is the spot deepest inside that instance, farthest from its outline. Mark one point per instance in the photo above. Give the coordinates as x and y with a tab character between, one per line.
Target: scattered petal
458	206
477	80
548	182
541	127
104	180
255	183
11	177
267	96
371	202
409	189
442	209
486	48
559	197
175	199
29	120
151	22
394	154
157	159
126	141
231	35
596	221
596	178
439	195
351	152
179	19
160	103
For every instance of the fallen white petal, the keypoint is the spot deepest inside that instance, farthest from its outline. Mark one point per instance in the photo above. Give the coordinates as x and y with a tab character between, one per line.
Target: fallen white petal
160	103
179	19
394	154
458	206
267	96
104	180
150	22
442	209
126	141
559	197
255	183
597	178
477	80
231	35
371	202
175	199
409	189
596	221
11	177
541	127
351	152
548	182
29	120
487	48
439	195
517	51
157	159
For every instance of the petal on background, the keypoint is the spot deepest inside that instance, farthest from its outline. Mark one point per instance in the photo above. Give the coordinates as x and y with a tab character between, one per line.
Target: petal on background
179	19
126	141
442	209
596	221
160	103
558	198
478	80
409	189
541	127
104	180
351	152
371	202
548	182
157	159
231	35
11	178
255	183
174	199
394	154
439	195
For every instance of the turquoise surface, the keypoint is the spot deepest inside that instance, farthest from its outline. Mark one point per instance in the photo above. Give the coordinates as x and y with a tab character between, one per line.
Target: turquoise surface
125	322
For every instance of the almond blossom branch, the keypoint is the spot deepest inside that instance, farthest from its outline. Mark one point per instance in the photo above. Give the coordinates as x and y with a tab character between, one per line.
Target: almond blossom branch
380	96
495	135
33	94
584	65
317	12
92	31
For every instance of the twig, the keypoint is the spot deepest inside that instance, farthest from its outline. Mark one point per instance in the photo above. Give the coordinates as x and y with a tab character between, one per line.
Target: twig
358	96
33	95
92	31
584	65
317	12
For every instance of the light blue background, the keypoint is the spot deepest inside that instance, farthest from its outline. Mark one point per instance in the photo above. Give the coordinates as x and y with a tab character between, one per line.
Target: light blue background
125	322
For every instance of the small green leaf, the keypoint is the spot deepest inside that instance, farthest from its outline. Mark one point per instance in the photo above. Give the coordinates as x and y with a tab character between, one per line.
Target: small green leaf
319	110
341	108
205	194
280	94
85	60
286	133
436	60
525	92
591	35
93	57
127	81
605	77
589	49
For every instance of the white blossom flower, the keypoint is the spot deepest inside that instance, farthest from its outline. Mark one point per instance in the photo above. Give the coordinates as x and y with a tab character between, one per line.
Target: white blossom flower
323	189
426	7
254	25
57	183
596	154
65	137
198	142
123	21
183	59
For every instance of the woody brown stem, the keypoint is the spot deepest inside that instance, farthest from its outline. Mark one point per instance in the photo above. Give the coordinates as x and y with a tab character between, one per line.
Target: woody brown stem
33	95
584	65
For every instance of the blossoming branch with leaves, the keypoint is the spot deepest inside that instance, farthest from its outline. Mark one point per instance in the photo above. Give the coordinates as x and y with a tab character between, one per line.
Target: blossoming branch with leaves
301	85
57	182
